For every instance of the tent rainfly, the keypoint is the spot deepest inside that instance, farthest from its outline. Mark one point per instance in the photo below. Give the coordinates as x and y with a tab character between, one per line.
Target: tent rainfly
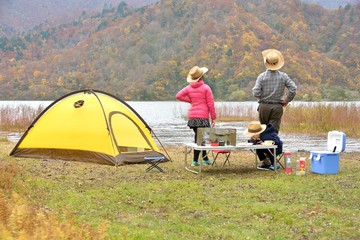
88	126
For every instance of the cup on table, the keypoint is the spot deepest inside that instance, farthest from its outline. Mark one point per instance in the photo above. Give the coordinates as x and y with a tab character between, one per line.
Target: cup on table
269	143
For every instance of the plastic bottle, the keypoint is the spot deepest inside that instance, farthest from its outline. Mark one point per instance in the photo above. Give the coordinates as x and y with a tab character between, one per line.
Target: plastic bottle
301	166
288	165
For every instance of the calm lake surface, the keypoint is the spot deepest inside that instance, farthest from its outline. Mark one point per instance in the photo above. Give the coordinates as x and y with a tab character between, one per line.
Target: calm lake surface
168	123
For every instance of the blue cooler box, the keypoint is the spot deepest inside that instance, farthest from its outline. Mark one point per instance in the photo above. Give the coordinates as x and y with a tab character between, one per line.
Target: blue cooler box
327	162
324	162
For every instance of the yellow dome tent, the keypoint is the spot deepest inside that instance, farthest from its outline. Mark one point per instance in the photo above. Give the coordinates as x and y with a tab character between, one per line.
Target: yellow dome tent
88	126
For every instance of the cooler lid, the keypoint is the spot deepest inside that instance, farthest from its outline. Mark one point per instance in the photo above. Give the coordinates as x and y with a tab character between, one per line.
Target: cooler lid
336	141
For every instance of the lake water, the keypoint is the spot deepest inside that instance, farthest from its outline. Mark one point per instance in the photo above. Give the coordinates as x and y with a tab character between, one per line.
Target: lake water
168	123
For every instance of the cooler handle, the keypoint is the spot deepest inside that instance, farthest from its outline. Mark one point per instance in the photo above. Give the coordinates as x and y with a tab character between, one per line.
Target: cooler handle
316	158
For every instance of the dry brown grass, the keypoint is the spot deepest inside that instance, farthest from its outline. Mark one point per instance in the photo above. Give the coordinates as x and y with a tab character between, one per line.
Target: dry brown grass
18	118
322	118
227	113
21	220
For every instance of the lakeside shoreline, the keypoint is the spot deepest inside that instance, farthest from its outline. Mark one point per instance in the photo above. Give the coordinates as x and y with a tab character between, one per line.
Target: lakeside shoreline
308	142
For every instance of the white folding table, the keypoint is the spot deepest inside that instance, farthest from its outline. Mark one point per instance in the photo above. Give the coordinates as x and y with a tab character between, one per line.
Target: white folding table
245	146
194	146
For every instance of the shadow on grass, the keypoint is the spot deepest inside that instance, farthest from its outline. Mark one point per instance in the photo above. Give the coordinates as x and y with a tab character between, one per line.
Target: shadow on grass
226	170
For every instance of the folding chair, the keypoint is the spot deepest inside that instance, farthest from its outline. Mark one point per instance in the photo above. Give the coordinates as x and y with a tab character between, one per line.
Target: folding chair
154	163
225	152
278	157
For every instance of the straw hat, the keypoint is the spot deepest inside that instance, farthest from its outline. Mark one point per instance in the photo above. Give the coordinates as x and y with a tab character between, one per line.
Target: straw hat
273	59
254	127
196	73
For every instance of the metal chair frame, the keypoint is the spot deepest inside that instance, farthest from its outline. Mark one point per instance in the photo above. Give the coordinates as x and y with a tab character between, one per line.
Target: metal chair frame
154	163
217	152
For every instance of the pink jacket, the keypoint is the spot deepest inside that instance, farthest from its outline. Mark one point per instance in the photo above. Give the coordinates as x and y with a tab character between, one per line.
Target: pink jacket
200	96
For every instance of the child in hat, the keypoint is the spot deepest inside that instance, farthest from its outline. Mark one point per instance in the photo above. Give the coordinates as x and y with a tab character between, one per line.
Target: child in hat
260	133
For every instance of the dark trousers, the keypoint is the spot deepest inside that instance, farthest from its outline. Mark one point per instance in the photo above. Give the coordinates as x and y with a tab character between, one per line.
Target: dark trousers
263	153
197	152
271	113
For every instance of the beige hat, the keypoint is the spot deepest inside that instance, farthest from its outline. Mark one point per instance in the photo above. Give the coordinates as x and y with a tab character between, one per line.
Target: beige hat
254	127
196	73
273	59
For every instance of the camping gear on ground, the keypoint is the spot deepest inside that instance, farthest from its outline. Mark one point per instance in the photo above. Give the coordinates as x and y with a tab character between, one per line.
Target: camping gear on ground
154	163
327	162
89	126
223	136
217	137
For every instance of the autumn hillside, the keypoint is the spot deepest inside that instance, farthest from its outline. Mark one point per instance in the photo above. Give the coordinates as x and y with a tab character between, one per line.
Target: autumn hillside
19	15
145	54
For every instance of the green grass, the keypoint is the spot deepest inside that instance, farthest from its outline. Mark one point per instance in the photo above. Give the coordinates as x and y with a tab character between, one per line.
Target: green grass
232	202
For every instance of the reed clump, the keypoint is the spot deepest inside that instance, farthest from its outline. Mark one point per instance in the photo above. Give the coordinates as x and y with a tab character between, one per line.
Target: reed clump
320	118
229	113
18	118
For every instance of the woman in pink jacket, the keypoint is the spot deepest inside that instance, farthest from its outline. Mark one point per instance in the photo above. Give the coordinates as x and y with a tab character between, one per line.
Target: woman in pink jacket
200	96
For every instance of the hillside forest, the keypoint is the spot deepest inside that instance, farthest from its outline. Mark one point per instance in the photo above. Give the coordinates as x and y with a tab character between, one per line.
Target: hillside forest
145	53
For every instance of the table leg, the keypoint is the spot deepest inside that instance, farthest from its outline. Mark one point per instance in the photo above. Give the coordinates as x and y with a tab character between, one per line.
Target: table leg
256	162
186	166
200	163
275	162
